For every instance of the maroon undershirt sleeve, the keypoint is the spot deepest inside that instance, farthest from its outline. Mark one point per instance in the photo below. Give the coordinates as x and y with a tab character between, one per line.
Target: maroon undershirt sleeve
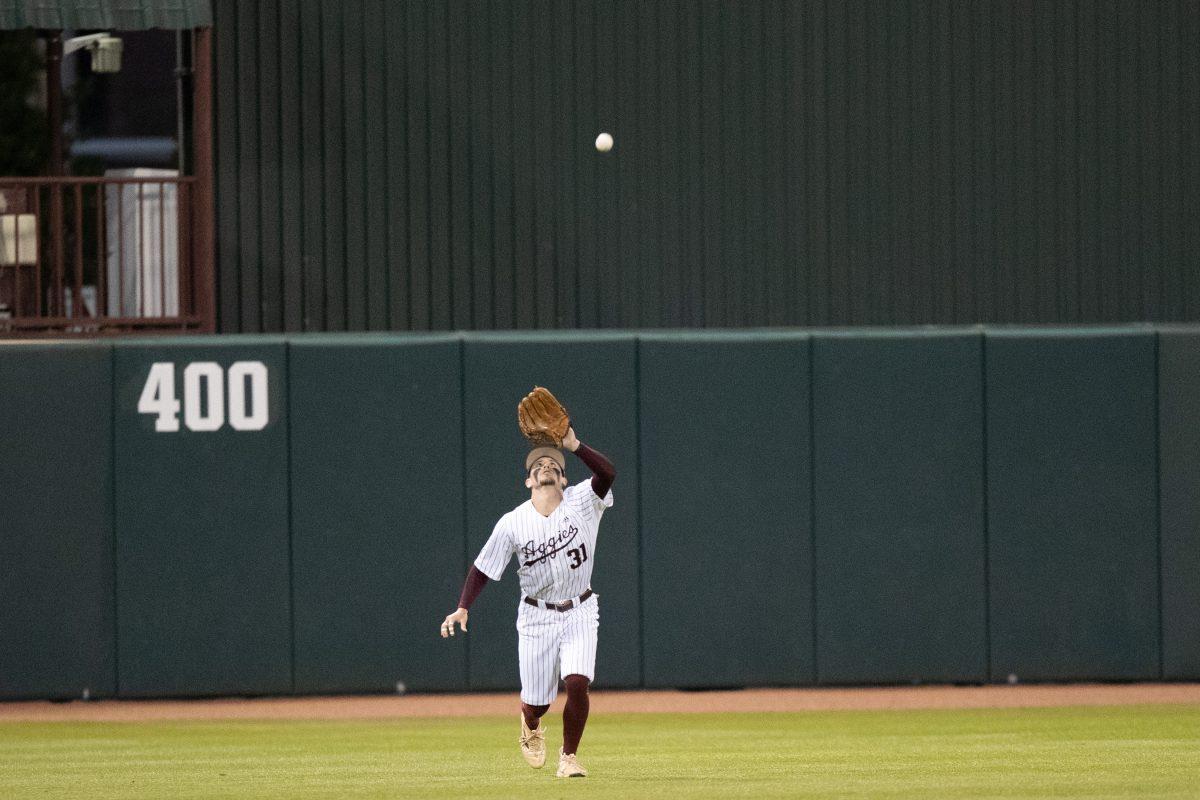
474	584
603	472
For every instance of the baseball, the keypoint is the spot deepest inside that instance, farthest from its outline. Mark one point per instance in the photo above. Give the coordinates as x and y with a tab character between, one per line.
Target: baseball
604	142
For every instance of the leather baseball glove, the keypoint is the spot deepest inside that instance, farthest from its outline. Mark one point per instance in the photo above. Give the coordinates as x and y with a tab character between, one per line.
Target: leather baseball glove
543	420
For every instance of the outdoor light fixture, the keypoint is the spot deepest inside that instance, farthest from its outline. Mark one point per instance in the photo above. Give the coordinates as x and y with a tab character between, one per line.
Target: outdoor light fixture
105	49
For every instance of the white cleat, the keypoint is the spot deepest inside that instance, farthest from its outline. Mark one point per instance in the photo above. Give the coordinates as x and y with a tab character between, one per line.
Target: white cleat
569	766
533	744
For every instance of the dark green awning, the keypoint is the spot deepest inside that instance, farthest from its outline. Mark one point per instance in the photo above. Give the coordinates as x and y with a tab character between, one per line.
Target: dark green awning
116	15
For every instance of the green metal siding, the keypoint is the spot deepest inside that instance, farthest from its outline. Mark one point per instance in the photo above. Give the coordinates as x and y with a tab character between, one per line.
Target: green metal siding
128	15
429	165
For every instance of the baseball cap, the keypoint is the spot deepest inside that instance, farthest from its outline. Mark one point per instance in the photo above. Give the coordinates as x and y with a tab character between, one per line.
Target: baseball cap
544	452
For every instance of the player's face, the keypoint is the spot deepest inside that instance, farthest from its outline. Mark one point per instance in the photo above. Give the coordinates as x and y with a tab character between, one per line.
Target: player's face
546	472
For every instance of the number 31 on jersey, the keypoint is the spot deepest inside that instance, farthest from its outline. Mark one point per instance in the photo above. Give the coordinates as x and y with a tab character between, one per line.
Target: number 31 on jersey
204	396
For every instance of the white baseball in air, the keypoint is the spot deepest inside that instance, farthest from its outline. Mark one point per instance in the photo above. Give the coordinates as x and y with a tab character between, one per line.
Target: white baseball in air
604	142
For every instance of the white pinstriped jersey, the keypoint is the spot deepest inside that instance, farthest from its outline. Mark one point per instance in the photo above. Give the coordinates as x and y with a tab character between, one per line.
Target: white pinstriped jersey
554	553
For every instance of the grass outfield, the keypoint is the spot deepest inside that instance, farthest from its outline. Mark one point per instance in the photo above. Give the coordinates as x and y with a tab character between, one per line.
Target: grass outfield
1120	751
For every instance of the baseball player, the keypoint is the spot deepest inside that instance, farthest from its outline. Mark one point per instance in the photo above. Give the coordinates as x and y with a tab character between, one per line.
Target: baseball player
553	536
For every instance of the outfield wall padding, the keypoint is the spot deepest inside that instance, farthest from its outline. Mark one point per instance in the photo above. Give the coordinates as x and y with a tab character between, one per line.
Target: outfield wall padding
203	579
726	522
792	508
1072	507
901	582
57	632
1179	443
376	515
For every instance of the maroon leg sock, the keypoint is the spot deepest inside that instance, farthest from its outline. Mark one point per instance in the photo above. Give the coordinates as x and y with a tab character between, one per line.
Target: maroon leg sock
533	714
575	713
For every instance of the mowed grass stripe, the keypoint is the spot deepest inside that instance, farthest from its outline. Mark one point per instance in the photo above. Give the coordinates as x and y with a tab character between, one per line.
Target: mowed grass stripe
1093	752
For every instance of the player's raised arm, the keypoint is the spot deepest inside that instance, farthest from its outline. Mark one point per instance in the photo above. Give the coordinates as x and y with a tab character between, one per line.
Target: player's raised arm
603	471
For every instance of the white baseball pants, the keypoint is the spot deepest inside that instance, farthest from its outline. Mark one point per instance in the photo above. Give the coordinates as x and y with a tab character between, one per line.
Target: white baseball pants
553	645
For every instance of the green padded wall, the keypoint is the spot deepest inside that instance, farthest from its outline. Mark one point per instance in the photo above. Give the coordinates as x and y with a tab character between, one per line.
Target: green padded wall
898	507
291	555
1179	443
377	520
202	530
56	576
1071	504
726	528
593	375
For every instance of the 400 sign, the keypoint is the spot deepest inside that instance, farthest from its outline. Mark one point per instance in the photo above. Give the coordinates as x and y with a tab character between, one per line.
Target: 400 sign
204	396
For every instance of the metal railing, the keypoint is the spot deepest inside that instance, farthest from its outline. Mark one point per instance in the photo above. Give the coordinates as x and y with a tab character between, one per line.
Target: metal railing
91	256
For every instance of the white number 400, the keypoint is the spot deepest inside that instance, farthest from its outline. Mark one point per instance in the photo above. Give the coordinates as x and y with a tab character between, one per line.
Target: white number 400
205	411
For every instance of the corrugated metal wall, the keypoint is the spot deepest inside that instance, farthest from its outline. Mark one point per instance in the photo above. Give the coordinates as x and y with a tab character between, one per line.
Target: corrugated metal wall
429	165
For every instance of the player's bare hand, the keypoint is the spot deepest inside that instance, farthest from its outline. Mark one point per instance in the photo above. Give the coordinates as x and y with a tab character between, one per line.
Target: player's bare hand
459	616
569	440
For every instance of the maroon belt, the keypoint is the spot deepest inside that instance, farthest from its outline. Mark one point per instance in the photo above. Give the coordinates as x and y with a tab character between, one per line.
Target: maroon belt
566	605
